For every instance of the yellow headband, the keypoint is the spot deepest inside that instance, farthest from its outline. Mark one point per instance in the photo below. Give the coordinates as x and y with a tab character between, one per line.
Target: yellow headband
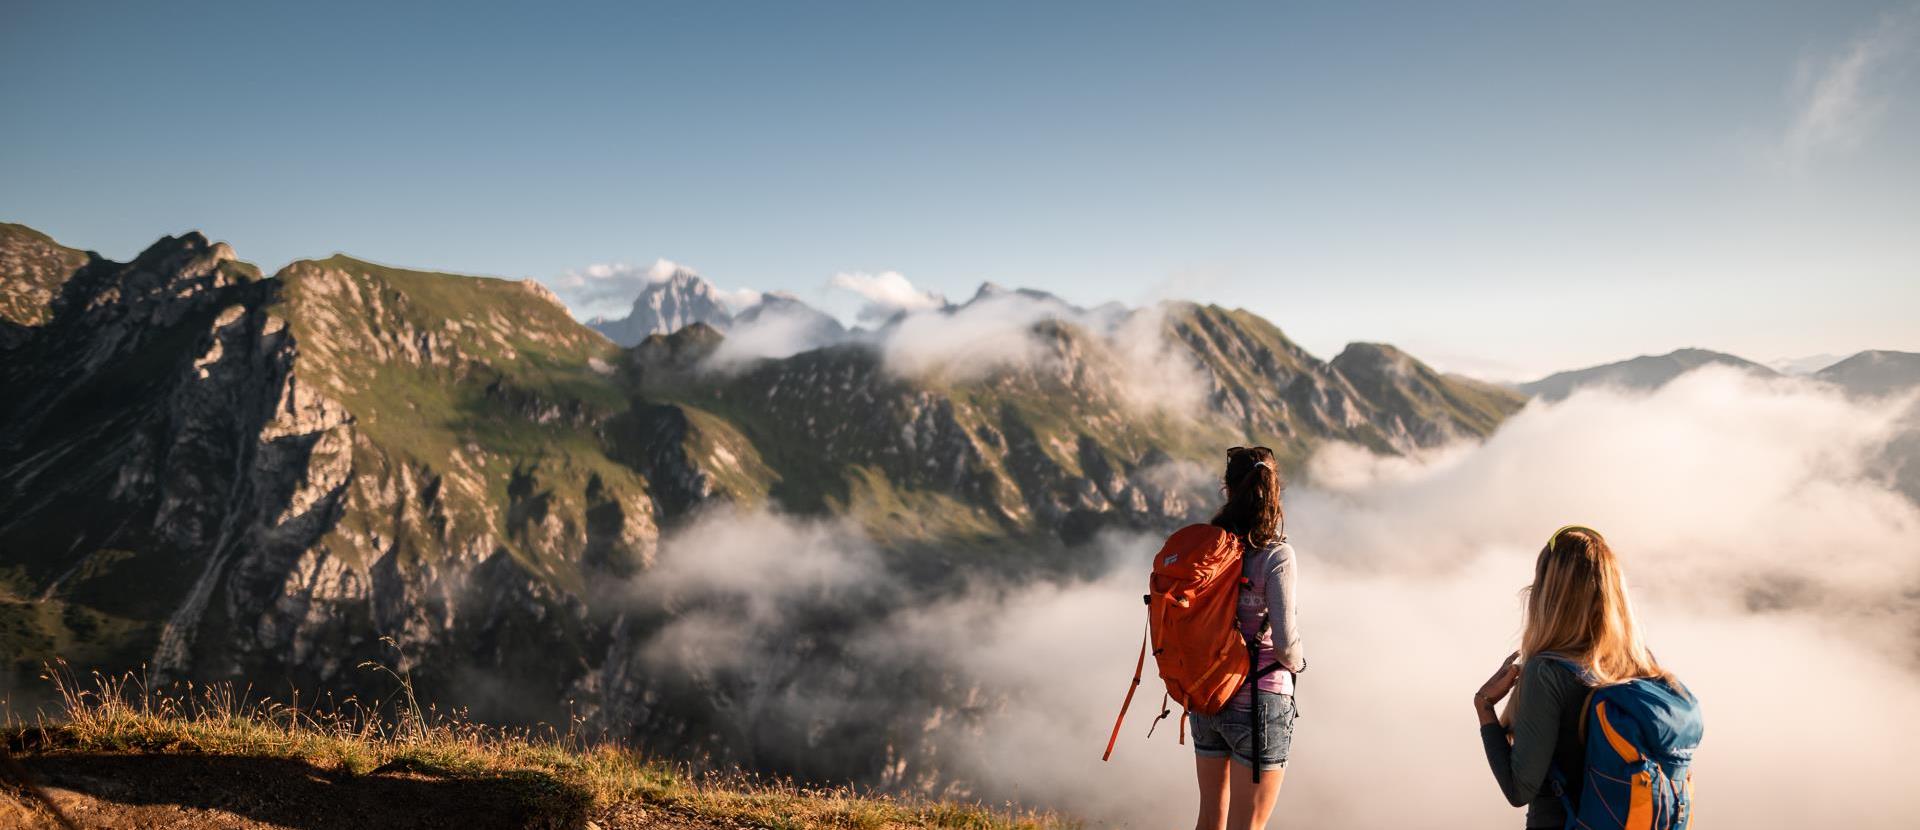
1582	528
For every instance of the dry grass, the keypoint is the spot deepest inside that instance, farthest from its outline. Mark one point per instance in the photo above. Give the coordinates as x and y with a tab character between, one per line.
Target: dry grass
350	737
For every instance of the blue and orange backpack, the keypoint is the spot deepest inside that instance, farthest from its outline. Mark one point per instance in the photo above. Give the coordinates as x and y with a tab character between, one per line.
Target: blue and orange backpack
1640	737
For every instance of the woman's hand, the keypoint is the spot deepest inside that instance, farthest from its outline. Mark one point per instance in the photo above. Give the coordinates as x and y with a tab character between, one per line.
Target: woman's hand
1496	688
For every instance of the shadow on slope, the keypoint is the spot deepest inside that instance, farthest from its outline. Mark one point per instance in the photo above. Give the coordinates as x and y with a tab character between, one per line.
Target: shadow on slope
192	790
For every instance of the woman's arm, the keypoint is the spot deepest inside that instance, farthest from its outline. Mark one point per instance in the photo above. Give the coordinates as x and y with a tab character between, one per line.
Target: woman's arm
1282	612
1521	763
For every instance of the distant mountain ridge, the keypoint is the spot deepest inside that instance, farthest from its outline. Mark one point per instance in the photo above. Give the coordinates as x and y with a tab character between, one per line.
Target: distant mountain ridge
1804	365
1644	372
1874	373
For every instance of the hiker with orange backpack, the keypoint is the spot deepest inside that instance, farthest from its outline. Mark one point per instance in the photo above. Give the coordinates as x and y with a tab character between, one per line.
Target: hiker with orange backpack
1598	735
1223	630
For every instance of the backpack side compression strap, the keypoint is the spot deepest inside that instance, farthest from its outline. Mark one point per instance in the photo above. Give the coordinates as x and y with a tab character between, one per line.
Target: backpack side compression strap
1138	665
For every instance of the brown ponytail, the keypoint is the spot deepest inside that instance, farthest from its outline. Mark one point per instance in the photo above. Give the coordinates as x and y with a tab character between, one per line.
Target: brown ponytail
1252	486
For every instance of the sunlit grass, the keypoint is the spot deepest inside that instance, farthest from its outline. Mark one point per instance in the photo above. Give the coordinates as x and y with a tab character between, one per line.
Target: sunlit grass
352	737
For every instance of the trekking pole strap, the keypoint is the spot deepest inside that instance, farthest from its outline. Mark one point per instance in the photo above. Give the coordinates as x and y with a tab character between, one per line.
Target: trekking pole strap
1138	664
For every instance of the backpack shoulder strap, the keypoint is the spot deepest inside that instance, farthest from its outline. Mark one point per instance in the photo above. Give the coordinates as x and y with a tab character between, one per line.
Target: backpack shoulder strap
1586	679
1578	669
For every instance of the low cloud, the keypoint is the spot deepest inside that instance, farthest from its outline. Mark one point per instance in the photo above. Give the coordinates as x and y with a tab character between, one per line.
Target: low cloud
1771	563
886	294
1126	353
739	299
967	341
1123	352
775	332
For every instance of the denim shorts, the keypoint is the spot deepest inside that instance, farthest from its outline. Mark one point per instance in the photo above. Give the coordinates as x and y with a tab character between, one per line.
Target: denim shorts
1230	733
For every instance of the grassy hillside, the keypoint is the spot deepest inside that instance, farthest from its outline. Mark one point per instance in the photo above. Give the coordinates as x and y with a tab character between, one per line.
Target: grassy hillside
485	385
123	755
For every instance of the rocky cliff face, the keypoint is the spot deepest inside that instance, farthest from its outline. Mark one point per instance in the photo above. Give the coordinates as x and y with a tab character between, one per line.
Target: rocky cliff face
253	477
272	479
36	268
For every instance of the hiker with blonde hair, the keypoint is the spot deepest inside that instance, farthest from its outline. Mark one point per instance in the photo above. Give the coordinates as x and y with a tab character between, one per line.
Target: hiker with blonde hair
1598	734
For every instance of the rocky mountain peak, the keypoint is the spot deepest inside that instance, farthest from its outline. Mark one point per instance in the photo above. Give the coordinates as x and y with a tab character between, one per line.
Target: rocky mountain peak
1374	358
666	305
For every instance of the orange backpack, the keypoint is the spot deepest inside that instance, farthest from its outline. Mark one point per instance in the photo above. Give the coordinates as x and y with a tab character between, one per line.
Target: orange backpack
1192	598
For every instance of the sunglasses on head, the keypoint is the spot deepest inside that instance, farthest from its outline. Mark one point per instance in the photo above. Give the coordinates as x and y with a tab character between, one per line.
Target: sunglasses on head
1233	451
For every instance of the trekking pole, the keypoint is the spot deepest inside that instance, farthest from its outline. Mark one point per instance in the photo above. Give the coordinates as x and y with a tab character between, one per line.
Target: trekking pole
1253	683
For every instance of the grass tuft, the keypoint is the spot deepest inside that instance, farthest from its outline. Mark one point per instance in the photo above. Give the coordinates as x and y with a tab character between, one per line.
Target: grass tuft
351	737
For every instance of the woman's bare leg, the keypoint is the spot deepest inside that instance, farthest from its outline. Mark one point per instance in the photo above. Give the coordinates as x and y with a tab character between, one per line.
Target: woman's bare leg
1250	804
1213	792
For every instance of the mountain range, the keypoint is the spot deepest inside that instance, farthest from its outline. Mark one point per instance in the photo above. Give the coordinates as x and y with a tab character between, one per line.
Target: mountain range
1872	373
223	474
226	475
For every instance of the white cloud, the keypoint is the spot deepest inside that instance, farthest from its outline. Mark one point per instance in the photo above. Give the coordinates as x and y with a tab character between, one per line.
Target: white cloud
739	299
1839	99
776	333
967	341
886	293
1124	352
664	269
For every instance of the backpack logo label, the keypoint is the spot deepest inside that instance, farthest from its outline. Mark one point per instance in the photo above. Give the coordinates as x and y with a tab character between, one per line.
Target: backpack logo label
1170	560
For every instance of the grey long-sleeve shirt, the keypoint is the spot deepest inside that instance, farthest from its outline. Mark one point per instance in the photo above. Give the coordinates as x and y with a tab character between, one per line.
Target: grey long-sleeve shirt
1273	573
1546	733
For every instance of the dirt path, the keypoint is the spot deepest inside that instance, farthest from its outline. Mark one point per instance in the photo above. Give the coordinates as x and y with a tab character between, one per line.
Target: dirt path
198	792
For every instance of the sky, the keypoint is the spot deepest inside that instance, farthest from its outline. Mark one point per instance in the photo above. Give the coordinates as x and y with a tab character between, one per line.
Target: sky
1502	189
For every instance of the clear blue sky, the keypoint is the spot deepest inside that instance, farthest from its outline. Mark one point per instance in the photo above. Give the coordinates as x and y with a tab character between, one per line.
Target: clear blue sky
1506	188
